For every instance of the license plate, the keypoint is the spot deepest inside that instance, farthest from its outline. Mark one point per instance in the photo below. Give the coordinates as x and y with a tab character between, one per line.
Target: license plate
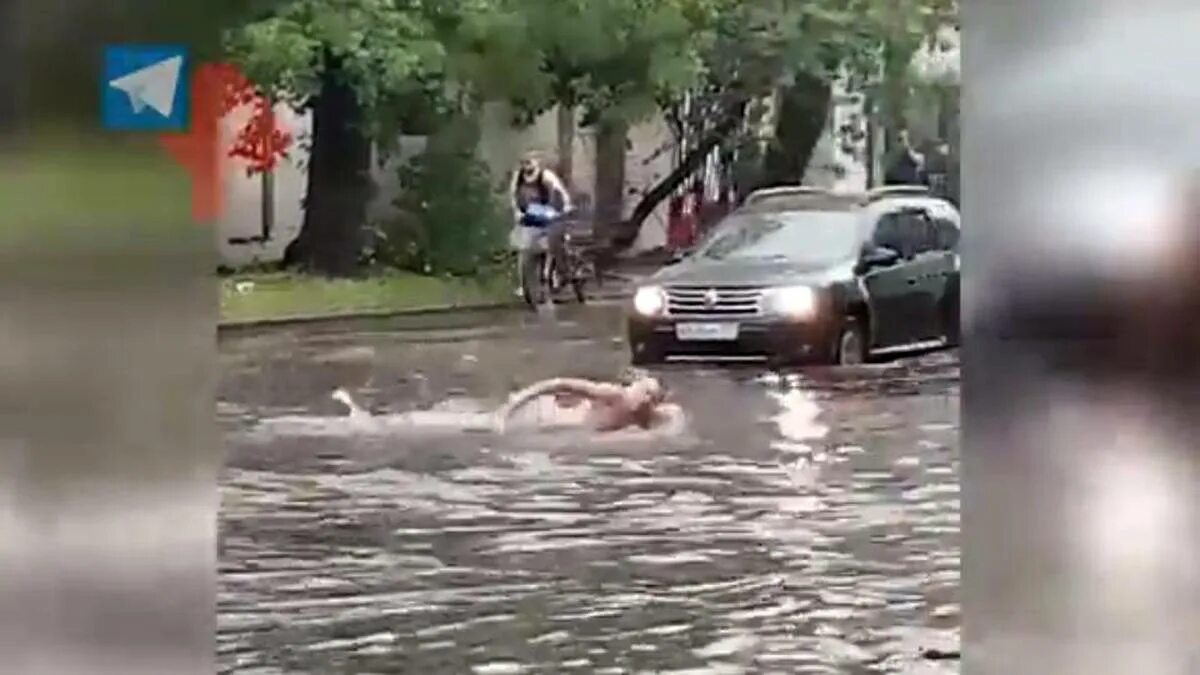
706	331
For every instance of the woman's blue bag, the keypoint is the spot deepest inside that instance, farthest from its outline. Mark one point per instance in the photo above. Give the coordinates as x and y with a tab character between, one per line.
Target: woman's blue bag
538	215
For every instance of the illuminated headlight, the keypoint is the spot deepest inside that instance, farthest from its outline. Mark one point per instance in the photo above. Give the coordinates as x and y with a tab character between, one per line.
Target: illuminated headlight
799	302
650	301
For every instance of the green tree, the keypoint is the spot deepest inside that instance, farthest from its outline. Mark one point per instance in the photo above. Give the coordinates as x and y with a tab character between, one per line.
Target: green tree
607	62
344	61
792	52
450	221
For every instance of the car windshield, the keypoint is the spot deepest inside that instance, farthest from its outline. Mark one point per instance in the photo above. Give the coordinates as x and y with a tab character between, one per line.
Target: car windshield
802	236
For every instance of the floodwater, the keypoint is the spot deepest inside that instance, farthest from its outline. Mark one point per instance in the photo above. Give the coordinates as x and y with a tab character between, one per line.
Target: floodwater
795	524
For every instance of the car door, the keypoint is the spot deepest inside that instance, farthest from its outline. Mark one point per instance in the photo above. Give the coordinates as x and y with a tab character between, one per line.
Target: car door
886	287
946	268
926	275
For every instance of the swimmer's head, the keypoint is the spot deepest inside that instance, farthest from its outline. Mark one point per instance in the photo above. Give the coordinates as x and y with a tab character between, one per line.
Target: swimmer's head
648	391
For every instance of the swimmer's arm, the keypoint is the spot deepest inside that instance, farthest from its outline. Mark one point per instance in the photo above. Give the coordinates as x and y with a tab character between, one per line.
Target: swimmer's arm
562	386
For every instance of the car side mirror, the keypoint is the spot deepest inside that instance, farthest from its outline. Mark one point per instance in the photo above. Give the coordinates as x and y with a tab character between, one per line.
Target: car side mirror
878	256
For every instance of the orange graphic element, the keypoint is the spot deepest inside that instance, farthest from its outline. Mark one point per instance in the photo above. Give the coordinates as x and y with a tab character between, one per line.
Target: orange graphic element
218	89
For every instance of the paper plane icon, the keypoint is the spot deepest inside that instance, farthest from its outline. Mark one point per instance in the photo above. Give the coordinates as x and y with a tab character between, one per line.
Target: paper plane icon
152	86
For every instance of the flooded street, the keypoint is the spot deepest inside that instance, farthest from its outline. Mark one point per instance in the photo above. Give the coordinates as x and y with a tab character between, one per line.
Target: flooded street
799	524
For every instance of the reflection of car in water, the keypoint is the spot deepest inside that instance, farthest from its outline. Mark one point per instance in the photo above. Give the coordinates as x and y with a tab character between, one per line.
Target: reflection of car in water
812	277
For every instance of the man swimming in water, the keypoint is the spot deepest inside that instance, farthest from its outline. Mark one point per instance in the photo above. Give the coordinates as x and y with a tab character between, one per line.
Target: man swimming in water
611	407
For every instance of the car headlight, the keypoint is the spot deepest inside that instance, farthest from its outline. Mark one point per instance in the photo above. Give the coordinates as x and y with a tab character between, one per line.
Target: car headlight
798	302
650	301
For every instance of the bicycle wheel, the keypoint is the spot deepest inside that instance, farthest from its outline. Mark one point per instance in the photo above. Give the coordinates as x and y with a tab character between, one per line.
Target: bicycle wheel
533	286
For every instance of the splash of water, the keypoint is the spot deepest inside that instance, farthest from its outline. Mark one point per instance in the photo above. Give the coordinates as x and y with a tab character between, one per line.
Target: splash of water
452	417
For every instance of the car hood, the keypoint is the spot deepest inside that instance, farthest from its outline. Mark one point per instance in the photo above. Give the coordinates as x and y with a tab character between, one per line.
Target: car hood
699	272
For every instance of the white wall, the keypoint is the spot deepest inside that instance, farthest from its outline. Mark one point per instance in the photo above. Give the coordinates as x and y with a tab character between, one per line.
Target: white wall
501	147
242	217
647	161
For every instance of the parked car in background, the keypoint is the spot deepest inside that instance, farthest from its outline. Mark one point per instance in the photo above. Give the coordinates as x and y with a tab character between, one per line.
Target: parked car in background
826	278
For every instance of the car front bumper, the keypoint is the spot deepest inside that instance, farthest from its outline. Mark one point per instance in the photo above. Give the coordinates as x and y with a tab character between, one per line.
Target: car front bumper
757	338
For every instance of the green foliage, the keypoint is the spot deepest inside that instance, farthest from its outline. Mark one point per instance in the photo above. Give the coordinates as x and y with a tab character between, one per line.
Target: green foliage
416	63
387	48
612	58
451	222
751	50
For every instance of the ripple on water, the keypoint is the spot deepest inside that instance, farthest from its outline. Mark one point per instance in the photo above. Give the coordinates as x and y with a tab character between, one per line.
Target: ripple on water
500	668
826	540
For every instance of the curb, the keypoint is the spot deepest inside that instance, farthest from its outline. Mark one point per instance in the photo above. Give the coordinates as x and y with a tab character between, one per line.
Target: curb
305	319
238	326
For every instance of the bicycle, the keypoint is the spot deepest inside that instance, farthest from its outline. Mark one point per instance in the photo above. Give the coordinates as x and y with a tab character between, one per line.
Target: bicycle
540	276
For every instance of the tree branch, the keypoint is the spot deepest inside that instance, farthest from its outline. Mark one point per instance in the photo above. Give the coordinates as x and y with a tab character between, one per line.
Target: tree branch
734	113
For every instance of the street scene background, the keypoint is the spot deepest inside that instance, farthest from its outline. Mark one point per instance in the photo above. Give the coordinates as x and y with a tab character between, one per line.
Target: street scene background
796	522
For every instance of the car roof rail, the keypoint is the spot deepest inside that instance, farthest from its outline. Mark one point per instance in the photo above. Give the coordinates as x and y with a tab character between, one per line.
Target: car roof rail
898	191
784	191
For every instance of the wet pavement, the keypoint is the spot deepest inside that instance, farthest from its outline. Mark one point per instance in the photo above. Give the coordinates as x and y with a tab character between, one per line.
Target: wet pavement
803	523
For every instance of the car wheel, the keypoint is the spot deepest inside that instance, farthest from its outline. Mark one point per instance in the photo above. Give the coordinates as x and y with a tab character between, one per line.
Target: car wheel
952	321
643	354
778	362
851	347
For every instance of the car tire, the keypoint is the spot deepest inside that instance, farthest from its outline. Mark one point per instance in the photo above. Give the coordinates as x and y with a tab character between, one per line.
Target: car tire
952	320
850	349
644	354
778	363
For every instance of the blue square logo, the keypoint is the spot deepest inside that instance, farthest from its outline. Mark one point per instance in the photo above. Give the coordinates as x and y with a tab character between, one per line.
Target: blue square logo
144	88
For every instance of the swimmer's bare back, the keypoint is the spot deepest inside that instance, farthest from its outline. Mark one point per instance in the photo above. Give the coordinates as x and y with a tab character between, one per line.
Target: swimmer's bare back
611	406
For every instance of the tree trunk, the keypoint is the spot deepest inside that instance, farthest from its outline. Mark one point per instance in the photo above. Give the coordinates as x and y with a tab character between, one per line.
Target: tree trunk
566	143
339	163
803	111
267	191
267	184
611	138
894	107
691	162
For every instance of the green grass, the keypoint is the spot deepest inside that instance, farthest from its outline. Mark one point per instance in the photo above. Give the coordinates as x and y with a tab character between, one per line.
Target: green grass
264	296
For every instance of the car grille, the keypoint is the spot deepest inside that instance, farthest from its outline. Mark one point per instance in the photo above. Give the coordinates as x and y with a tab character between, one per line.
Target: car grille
713	301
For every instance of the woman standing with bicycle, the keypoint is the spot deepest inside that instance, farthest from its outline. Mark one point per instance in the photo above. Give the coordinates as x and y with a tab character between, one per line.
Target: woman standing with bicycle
536	186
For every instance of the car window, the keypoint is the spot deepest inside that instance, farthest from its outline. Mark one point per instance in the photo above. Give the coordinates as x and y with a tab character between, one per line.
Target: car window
922	232
889	232
801	236
906	232
946	234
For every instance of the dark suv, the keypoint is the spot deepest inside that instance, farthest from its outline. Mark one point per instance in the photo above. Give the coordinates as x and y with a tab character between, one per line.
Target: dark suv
842	279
